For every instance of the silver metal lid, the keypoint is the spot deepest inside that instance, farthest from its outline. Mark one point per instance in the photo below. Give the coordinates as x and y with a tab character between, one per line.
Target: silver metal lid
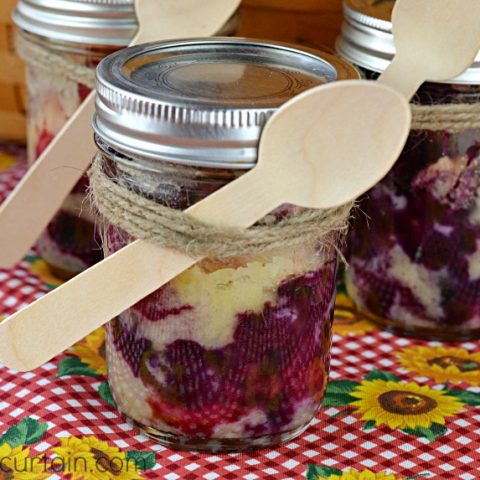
101	22
203	102
367	40
86	22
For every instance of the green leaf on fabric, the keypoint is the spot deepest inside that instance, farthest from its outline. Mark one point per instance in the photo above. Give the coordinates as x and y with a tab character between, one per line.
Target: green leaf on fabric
337	394
143	460
342	386
380	375
106	394
314	472
31	258
435	431
337	400
27	432
341	287
469	398
369	425
74	366
420	475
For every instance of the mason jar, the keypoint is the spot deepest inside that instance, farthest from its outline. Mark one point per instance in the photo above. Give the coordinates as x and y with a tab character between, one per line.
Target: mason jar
233	353
414	252
62	41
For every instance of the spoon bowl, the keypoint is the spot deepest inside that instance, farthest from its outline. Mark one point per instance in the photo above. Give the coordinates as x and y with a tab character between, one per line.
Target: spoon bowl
435	40
173	18
330	144
421	27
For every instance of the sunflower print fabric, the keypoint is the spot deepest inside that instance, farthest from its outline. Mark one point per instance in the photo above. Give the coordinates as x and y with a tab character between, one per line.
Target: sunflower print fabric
85	458
443	365
403	405
349	319
90	458
318	473
382	399
88	358
6	161
39	268
91	352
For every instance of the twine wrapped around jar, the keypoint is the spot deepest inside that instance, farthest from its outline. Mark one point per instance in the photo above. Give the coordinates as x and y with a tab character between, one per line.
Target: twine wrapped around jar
61	65
147	220
453	117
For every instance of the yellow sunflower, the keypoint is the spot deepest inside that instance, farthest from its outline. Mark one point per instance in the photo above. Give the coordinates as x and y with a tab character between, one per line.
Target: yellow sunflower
40	269
365	475
6	161
403	405
110	462
89	458
16	464
454	365
91	351
73	457
349	320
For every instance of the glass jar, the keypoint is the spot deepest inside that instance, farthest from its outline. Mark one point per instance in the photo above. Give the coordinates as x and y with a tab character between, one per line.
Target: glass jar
414	251
232	354
81	34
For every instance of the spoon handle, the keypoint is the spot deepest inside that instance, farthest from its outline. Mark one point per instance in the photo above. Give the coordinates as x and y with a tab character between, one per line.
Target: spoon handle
38	196
36	199
403	77
86	302
210	16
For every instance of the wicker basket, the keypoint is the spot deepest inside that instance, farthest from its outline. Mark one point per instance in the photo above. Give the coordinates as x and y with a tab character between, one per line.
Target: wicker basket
314	23
12	90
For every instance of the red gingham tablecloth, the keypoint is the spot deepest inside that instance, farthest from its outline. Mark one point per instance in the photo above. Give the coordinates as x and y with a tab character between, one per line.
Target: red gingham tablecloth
65	406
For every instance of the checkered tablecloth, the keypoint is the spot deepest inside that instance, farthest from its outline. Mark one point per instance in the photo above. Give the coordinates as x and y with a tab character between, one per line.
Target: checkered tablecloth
66	404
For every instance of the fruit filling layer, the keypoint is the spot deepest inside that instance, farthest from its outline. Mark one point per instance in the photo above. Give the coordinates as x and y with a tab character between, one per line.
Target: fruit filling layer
228	350
415	249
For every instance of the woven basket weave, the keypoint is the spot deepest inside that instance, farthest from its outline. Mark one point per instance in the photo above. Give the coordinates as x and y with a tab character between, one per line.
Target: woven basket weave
12	90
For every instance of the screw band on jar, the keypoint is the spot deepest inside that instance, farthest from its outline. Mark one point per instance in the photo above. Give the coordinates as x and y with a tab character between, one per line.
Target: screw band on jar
168	227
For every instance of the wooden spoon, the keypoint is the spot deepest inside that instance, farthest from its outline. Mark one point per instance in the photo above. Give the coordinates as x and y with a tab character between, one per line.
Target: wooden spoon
357	132
321	149
39	195
435	40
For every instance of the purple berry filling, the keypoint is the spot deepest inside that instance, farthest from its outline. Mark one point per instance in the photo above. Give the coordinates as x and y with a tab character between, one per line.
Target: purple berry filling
415	249
276	364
